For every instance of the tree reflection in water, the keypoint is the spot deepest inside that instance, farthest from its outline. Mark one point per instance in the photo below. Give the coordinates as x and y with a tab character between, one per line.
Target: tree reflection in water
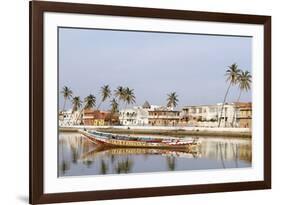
171	162
124	166
65	165
88	162
103	167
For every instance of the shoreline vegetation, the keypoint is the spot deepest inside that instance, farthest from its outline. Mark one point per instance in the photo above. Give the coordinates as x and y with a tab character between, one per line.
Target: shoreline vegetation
174	131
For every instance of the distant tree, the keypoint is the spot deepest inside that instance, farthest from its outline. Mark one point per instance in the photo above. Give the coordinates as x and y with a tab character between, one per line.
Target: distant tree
67	94
89	102
113	109
231	76
120	93
172	100
244	81
105	94
76	103
114	106
128	98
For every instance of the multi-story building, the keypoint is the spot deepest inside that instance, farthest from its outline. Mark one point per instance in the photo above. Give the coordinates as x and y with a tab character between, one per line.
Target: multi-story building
163	116
68	118
136	116
96	117
244	115
208	115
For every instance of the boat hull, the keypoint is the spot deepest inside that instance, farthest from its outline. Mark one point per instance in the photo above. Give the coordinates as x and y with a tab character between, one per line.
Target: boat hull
135	143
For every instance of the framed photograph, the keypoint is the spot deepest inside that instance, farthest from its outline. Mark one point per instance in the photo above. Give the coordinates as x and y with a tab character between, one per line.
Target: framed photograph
138	102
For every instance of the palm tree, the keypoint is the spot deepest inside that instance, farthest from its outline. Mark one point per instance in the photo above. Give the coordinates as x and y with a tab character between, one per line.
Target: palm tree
67	94
89	102
76	104
244	81
105	93
120	93
114	108
128	98
232	74
172	100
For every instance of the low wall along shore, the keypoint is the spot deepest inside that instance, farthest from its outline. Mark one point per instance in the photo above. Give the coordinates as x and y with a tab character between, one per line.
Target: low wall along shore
161	130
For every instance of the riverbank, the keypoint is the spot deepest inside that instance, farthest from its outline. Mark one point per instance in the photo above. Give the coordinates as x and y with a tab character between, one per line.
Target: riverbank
171	131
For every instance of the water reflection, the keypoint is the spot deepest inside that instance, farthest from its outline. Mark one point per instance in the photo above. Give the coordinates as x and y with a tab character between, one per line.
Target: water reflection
78	156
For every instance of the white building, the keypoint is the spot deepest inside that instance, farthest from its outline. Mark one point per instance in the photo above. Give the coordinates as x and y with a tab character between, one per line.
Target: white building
68	118
137	116
208	115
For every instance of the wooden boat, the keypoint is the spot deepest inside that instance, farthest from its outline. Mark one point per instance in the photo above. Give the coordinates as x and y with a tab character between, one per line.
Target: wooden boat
117	140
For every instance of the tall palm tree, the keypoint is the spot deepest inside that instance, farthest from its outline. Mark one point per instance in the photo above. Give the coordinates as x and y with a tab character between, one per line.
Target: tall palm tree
129	96
244	81
105	93
67	94
76	104
89	102
120	93
126	95
172	100
114	108
231	76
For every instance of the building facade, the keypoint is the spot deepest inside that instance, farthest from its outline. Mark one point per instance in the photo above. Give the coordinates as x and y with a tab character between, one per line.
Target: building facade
136	116
163	116
244	115
68	118
96	117
209	115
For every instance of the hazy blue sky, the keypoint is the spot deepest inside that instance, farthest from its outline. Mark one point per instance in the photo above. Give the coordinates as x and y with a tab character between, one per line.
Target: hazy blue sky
153	64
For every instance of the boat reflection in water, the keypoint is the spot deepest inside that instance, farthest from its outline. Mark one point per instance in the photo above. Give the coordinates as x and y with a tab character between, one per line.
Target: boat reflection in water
79	156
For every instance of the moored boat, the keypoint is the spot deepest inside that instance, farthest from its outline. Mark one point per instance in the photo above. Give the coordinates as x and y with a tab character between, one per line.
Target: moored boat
118	140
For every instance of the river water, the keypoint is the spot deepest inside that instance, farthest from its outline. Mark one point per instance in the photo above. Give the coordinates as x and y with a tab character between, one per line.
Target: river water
78	156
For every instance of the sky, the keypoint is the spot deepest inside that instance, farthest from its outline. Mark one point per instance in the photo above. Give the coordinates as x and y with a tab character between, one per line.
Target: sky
152	63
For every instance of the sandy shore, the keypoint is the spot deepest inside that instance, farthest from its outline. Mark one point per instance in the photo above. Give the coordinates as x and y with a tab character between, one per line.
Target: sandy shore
171	131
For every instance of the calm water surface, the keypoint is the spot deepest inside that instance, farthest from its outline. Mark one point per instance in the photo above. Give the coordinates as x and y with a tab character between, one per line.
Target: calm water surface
78	156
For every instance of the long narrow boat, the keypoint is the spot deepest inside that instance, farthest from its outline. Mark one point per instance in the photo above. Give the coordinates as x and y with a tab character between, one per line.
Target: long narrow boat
118	140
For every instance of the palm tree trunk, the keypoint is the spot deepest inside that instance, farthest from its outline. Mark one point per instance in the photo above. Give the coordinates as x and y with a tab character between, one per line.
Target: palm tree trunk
124	113
98	108
79	115
64	103
223	103
235	109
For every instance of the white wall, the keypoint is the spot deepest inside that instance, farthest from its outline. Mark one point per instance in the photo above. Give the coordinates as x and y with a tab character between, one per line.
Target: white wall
14	101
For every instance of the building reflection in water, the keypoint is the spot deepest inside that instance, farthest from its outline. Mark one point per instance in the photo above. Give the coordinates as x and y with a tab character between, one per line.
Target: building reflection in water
78	156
